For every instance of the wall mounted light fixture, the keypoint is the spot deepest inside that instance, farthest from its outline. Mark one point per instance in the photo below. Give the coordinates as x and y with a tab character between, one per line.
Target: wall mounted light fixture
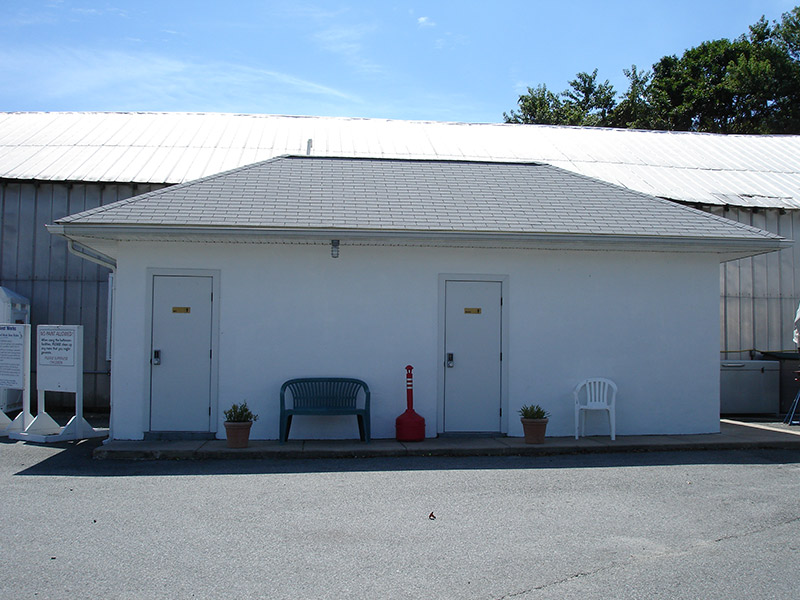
334	248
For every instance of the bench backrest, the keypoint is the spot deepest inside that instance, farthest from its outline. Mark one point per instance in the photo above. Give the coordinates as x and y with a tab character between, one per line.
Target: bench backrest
325	392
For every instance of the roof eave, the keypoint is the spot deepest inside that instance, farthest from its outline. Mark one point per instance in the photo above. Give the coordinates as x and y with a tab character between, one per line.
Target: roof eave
726	248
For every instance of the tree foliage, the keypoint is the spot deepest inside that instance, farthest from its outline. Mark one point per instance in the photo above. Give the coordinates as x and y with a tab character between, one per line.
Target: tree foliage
585	102
747	85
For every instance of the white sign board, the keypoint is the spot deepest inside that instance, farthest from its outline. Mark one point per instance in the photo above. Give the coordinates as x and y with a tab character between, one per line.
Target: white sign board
59	361
12	356
57	346
59	365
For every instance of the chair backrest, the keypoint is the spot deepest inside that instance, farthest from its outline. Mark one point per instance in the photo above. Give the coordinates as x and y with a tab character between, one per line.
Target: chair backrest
599	393
325	392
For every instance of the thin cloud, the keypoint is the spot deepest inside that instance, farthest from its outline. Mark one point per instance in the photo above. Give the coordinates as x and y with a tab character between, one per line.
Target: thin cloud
449	41
306	11
425	22
26	17
57	12
346	41
87	11
113	79
334	32
97	12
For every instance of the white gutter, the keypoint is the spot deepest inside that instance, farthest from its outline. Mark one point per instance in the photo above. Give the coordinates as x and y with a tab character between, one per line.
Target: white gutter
737	247
91	255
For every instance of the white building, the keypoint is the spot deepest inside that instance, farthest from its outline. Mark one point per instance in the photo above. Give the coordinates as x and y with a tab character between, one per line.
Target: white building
533	277
55	164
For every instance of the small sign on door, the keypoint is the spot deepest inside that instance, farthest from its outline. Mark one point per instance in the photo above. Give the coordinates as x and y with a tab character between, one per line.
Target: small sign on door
472	311
182	309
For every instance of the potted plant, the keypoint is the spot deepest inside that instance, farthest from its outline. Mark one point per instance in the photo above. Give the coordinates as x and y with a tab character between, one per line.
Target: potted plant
238	421
534	423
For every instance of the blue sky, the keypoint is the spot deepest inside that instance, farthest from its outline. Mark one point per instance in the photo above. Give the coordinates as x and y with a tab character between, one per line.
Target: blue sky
445	61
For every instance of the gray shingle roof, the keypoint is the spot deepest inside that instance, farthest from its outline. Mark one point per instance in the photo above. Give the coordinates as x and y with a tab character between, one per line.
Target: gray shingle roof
390	195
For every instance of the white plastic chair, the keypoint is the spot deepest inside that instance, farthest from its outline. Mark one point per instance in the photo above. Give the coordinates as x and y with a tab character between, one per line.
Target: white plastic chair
600	394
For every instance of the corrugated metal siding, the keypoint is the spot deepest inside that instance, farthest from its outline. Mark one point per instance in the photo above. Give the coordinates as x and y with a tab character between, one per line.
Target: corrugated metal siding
759	295
62	288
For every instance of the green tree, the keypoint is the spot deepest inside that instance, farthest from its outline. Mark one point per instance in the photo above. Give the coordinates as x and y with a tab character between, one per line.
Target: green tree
786	33
747	85
539	105
634	110
585	102
691	93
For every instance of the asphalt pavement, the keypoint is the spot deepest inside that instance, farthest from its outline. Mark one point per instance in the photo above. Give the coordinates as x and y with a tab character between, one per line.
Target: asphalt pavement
688	524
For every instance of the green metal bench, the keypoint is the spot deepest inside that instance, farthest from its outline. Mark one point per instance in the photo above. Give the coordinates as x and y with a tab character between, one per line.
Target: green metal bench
322	396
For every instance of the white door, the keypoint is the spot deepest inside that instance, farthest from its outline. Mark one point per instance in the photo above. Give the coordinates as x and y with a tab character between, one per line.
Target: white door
472	388
180	354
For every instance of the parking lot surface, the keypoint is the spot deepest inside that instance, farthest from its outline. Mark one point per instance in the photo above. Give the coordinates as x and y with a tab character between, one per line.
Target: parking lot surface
706	524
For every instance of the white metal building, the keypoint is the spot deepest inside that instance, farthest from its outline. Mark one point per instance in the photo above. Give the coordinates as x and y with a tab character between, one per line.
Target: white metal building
533	278
55	164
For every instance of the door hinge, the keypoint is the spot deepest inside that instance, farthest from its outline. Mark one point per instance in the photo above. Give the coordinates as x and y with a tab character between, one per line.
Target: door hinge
209	411
501	357
501	301
501	412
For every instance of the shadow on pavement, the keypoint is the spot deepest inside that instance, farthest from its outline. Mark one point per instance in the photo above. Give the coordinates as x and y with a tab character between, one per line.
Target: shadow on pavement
75	459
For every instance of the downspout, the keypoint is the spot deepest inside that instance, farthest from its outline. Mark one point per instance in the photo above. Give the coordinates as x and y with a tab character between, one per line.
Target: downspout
108	262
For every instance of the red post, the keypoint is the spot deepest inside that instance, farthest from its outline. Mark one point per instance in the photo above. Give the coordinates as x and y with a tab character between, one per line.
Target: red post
410	426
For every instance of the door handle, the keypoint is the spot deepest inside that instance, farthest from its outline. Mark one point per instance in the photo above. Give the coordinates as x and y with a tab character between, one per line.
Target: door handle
450	363
156	357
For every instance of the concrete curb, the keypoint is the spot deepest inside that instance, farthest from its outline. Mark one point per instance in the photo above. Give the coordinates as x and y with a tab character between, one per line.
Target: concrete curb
734	435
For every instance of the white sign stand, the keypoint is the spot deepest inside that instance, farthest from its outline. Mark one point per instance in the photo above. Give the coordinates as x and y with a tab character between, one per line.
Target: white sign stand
59	368
15	372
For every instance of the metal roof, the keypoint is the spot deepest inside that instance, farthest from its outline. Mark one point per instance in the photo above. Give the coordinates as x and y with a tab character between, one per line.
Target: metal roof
411	197
758	171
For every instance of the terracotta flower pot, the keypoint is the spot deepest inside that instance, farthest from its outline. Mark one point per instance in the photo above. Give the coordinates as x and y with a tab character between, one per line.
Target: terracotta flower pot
534	430
238	433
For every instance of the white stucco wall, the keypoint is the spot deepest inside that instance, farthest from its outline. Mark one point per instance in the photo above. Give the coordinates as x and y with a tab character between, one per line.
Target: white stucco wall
649	321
